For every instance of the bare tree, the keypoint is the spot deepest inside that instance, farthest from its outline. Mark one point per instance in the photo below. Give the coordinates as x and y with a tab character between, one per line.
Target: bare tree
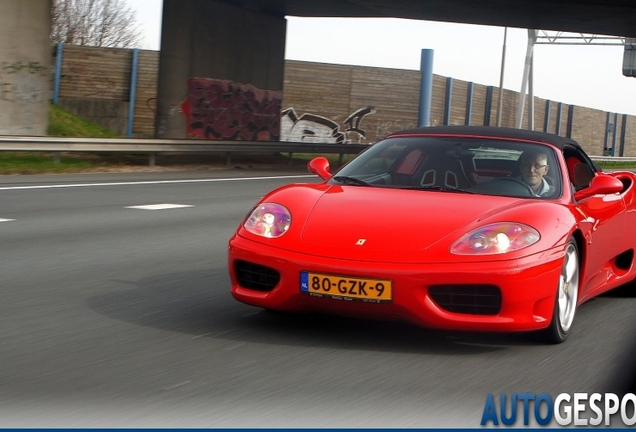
103	23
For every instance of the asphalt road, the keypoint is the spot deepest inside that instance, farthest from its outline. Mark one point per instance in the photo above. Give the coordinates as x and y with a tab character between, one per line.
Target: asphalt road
113	316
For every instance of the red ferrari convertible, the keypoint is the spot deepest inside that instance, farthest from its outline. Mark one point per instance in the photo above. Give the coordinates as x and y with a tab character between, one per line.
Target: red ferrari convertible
466	228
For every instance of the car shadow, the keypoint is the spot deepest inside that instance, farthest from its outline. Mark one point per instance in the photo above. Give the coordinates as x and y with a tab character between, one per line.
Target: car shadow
199	304
624	291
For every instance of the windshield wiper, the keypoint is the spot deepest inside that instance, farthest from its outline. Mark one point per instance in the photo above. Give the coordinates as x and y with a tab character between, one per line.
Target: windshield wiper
438	188
350	180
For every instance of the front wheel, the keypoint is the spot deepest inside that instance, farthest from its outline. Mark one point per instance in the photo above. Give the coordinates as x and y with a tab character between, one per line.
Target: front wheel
566	297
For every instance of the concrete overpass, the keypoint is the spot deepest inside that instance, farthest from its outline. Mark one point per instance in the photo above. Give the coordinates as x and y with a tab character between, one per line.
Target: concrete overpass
610	17
215	48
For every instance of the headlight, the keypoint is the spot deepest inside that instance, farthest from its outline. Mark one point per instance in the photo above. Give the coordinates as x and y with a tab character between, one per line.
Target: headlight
496	238
268	220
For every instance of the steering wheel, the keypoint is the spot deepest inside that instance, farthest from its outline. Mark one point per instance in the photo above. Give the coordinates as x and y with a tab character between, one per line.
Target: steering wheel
526	187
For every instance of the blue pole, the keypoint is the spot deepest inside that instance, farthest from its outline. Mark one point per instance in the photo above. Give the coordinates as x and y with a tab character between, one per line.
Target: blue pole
623	130
546	120
58	72
469	104
488	107
558	118
606	145
133	91
449	101
614	131
426	88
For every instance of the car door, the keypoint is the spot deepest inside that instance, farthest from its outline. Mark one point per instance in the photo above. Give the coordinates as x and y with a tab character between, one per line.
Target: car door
604	221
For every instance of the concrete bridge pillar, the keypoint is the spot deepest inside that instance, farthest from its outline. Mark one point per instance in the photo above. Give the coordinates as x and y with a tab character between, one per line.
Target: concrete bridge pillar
226	63
25	66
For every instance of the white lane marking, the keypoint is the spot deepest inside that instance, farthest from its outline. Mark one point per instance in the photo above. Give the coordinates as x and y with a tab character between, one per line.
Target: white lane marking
133	183
6	220
159	206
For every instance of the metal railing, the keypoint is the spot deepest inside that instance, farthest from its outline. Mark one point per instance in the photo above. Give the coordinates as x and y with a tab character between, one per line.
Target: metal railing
613	159
153	146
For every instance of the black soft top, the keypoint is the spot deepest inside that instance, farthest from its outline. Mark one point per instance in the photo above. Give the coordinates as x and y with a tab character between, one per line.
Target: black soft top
490	131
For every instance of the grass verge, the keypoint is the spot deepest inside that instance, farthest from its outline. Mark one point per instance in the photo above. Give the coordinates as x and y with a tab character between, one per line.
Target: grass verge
63	123
616	165
66	124
37	163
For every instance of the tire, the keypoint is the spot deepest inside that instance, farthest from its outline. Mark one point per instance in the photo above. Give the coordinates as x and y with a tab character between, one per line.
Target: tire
566	299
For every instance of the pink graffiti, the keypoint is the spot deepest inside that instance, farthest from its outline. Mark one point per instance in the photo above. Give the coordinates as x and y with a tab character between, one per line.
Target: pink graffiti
224	110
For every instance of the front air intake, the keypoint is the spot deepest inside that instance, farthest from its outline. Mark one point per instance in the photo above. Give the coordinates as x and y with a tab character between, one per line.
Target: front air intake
255	276
467	299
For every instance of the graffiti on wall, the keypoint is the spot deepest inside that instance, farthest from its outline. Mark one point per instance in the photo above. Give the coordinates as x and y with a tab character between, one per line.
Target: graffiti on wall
23	89
384	128
28	67
163	113
221	109
312	128
22	81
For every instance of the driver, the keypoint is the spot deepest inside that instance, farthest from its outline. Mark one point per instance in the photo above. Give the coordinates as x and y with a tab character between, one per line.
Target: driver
534	166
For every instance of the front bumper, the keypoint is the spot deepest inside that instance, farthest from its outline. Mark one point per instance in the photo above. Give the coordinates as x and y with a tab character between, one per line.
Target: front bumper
528	287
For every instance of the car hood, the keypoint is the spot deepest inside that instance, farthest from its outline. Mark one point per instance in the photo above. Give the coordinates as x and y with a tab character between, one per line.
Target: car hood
393	220
375	224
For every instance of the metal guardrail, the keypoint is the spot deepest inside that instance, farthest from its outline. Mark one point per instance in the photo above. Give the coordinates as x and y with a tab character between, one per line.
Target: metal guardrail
614	159
152	146
156	145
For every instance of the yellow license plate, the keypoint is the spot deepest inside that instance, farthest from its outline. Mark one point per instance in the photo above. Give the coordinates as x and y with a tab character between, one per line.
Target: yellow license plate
346	288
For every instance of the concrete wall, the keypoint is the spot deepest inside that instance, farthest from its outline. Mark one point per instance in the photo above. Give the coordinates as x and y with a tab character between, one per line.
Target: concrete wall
326	92
95	83
331	103
214	48
25	66
214	40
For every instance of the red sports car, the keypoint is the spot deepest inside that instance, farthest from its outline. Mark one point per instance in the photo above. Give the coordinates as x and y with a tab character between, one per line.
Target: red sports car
467	228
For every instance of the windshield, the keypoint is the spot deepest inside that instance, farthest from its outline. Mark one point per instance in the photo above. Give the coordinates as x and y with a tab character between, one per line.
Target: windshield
450	164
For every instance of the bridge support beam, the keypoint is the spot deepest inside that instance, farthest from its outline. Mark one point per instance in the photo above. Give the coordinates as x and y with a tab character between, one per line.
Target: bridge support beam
25	66
219	41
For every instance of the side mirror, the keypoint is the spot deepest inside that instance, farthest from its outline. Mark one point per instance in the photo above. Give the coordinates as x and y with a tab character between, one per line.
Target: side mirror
601	184
320	167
